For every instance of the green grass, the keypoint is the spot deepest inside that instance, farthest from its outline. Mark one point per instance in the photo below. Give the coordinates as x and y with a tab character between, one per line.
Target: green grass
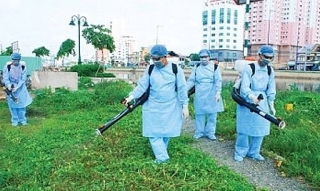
58	150
297	145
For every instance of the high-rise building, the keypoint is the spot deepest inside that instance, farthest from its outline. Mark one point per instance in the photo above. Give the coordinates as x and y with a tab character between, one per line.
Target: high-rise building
124	52
287	25
223	31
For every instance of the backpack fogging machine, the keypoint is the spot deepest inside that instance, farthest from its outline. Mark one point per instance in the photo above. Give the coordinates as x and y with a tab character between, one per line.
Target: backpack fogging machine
254	108
130	107
10	94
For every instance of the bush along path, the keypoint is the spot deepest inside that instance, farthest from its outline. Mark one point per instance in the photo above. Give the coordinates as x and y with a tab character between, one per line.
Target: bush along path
263	175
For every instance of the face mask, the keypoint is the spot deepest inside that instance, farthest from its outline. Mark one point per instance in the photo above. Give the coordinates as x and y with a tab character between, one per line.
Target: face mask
158	64
16	63
204	61
265	62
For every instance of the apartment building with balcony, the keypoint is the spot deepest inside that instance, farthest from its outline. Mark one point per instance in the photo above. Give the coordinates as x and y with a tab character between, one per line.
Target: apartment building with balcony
287	25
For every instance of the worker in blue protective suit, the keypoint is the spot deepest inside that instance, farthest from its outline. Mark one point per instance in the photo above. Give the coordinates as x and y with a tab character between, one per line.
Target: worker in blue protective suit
167	104
207	80
14	78
251	128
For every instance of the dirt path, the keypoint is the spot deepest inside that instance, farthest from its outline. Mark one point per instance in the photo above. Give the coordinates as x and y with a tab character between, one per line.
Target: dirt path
260	174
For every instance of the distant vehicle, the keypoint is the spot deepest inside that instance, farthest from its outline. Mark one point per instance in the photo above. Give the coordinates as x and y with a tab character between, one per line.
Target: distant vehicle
315	67
291	64
131	65
88	61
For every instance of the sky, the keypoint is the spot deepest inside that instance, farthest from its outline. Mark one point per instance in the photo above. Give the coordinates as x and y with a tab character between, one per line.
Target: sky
36	23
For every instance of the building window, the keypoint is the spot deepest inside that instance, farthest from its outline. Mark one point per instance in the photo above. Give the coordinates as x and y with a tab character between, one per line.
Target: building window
204	17
228	15
235	20
213	17
221	15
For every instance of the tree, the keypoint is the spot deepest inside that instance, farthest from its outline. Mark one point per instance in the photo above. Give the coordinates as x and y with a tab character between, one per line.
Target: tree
41	51
7	52
147	58
66	48
194	57
100	37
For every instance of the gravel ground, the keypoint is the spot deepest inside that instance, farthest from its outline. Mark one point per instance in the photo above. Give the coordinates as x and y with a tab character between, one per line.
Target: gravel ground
260	174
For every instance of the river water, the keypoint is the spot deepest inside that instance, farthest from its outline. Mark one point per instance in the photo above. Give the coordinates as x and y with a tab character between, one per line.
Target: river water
285	84
285	80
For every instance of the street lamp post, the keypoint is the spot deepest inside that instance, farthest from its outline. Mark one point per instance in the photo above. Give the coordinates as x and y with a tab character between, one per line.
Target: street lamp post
79	19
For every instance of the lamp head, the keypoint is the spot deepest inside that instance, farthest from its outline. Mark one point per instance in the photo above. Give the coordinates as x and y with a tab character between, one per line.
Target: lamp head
72	23
85	24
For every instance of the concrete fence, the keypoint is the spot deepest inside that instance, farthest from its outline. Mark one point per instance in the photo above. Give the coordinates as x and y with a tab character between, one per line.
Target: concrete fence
135	74
53	80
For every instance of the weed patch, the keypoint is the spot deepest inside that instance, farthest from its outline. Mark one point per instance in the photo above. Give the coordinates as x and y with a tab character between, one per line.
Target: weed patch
58	150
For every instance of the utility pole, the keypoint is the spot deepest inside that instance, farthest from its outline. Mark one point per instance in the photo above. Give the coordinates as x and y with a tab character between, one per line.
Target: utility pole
297	49
209	39
246	29
128	54
268	40
157	33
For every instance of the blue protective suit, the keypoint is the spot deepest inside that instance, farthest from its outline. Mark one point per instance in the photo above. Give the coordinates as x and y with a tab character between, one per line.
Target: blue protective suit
208	82
250	123
162	112
17	77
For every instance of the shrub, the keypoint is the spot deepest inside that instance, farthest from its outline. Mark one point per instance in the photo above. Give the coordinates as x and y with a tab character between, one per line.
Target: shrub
111	92
87	70
84	83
